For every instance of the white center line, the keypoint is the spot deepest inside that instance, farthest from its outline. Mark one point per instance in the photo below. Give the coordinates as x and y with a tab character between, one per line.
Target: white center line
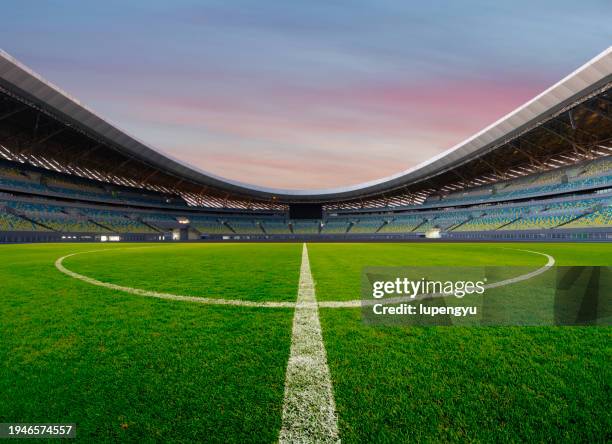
309	410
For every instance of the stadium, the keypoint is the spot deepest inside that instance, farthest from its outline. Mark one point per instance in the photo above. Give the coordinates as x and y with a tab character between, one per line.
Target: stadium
147	300
542	172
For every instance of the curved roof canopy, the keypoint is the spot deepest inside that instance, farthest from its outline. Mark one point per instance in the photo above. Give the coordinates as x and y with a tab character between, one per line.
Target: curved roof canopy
23	82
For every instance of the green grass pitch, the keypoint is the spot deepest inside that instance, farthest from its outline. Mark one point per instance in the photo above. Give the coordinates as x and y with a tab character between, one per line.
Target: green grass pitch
126	367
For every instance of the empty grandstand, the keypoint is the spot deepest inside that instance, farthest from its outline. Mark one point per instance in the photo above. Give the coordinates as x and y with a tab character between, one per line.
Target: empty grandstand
542	172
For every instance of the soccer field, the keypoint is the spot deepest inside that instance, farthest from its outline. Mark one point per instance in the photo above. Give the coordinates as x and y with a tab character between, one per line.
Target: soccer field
192	342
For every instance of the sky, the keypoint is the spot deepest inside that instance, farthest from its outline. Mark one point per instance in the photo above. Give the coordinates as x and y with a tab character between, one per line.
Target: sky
304	94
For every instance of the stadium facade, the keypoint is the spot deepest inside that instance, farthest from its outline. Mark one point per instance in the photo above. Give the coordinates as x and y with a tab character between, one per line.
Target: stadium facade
542	172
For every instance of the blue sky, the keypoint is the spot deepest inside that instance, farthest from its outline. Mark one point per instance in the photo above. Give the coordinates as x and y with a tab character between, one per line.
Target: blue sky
304	94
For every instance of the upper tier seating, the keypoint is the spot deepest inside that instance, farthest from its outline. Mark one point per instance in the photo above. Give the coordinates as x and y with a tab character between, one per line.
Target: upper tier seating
594	173
11	173
23	179
596	167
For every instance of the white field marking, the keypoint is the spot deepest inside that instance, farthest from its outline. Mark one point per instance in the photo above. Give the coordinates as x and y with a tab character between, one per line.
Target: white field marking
154	294
309	410
400	299
270	304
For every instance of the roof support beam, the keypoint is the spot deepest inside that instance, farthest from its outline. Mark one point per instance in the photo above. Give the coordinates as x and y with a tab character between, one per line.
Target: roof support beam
61	157
13	112
559	135
36	122
534	161
84	154
571	142
500	174
118	167
579	150
578	130
571	118
49	136
39	142
149	176
596	111
604	99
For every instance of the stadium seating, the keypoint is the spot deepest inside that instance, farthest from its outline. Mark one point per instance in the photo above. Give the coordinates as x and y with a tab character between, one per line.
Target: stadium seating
539	222
586	175
495	217
36	213
403	224
66	184
11	222
589	174
244	225
479	192
116	221
53	217
161	221
209	225
599	218
533	216
336	225
275	226
446	220
23	179
367	224
9	172
305	226
596	168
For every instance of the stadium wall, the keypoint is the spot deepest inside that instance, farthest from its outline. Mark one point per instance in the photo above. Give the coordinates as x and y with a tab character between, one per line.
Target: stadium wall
558	235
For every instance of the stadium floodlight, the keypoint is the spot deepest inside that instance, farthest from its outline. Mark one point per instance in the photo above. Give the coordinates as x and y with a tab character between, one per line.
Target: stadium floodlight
433	234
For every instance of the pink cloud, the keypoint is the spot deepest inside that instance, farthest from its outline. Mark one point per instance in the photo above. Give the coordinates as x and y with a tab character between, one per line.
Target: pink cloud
325	136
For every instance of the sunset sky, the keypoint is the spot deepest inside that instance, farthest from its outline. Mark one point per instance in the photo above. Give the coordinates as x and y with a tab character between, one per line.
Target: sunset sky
304	94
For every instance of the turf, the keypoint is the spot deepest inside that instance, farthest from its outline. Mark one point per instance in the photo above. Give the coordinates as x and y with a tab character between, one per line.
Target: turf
454	384
231	271
134	369
337	268
128	368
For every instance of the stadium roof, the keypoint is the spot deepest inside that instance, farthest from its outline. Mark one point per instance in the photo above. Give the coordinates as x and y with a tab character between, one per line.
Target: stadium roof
585	81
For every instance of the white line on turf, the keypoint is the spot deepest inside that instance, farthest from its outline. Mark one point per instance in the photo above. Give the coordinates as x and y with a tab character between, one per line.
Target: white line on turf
400	299
309	410
355	303
154	294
